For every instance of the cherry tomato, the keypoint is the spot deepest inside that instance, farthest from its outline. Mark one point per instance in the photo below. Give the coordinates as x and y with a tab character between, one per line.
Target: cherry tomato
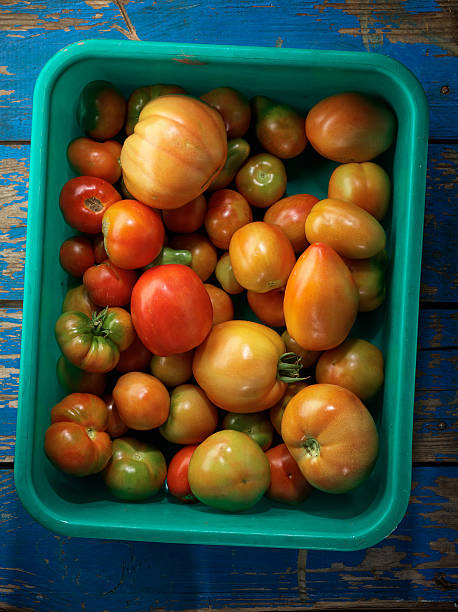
223	308
268	307
238	151
74	380
276	412
262	180
261	256
101	110
133	234
187	218
116	426
78	299
227	212
287	484
140	98
172	370
192	416
109	285
177	475
83	201
308	358
171	310
90	158
290	214
229	471
225	275
142	400
135	358
256	425
76	255
203	253
370	278
233	107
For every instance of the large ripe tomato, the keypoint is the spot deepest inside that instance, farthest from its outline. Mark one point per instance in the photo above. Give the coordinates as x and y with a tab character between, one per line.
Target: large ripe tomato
76	255
179	146
227	212
101	110
133	234
142	400
188	218
223	308
261	256
76	441
174	369
234	108
109	285
229	471
239	366
321	299
256	425
287	483
262	179
350	127
171	310
332	436
177	475
290	214
90	158
203	254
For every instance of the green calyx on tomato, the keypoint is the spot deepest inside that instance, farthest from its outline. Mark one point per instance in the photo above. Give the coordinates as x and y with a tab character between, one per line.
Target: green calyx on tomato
289	366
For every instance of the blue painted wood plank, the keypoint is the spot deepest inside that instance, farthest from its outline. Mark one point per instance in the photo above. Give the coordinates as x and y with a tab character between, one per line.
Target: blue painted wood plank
419	33
437	329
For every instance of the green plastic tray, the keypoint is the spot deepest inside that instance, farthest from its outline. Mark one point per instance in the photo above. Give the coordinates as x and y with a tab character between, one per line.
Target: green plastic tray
75	507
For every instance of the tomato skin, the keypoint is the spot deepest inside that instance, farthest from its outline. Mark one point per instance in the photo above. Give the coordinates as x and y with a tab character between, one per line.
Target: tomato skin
237	366
90	158
321	299
99	249
356	365
136	471
192	416
109	285
101	110
182	313
116	426
142	400
308	358
234	108
229	471
83	201
261	256
238	151
78	299
276	412
177	475
172	370
279	128
135	358
227	212
76	255
188	218
346	227
76	441
268	307
74	380
332	436
350	127
203	254
262	180
287	484
255	425
223	308
290	214
225	275
370	278
140	98
133	234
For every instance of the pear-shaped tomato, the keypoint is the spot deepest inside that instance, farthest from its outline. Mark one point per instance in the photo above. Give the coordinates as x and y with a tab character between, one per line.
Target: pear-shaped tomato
321	299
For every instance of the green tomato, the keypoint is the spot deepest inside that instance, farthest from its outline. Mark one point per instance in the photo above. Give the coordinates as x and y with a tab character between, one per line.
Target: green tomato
256	425
101	110
262	180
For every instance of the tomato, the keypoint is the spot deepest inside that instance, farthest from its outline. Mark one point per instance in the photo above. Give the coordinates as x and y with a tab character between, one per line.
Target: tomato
238	151
99	249
192	416
223	308
90	158
287	484
225	275
171	310
76	255
101	110
177	475
262	180
83	201
141	96
240	366
350	127
268	307
256	425
308	358
79	300
229	471
133	234
179	146
142	400
171	256
321	299
356	365
135	358
332	436
290	214
233	107
76	442
227	212
261	256
203	254
366	185
276	412
187	218
346	227
94	344
136	471
116	426
369	276
109	285
279	128
174	369
74	380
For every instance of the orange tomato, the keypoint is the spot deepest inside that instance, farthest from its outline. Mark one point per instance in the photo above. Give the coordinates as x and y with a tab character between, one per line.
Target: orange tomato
223	308
142	400
268	307
290	214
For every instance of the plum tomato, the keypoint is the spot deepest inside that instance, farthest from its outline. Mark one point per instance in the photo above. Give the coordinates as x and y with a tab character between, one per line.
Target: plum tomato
225	275
234	108
268	307
101	110
74	380
136	357
142	400
174	369
238	151
290	214
276	412
78	299
370	279
115	427
177	475
76	255
287	483
83	201
256	425
140	97
91	158
188	218
109	285
227	211
223	308
262	180
203	254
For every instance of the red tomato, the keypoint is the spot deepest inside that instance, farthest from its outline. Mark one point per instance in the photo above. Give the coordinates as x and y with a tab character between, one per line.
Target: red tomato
177	475
83	201
99	249
142	400
268	307
116	426
186	219
262	180
133	234
225	275
203	253
174	369
76	255
91	158
171	310
109	285
290	214
227	211
287	484
135	358
234	108
223	308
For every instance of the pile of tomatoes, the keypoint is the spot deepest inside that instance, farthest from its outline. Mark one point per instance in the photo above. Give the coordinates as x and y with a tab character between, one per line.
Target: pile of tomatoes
181	215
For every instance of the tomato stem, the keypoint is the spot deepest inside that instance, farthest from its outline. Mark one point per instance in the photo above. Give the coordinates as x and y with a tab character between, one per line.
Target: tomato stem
312	447
288	368
98	319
